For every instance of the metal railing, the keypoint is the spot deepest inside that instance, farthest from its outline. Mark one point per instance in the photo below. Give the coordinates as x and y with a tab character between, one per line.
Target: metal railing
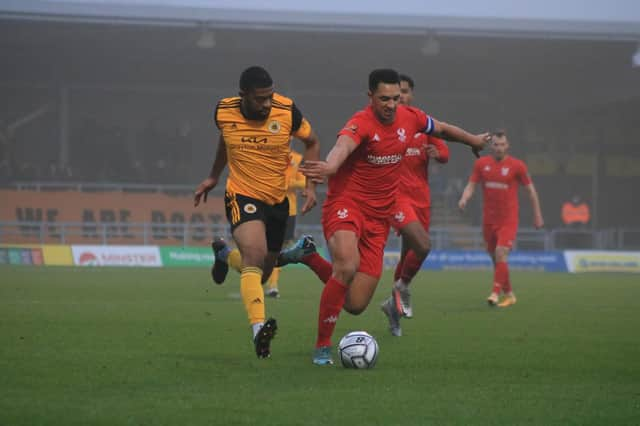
186	234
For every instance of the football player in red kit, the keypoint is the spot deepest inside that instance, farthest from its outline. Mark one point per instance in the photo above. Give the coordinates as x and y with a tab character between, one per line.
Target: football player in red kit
411	214
500	175
363	179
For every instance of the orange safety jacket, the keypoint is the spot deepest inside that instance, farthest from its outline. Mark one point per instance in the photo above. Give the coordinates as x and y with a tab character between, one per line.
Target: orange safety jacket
572	213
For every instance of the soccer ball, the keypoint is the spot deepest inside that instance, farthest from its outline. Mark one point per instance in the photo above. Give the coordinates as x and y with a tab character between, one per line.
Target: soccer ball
358	349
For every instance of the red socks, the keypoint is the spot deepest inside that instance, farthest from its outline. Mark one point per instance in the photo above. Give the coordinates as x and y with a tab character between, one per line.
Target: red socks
398	272
410	266
319	265
331	303
501	278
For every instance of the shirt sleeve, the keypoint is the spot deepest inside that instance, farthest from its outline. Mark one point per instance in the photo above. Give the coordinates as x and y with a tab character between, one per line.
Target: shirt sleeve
523	175
355	129
442	147
425	122
476	176
300	127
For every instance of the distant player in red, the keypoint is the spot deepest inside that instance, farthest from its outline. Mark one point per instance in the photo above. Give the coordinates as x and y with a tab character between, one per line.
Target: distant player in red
500	176
363	170
411	214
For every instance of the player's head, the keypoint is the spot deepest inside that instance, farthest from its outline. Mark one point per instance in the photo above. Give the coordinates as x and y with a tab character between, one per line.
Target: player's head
256	91
499	144
384	93
406	89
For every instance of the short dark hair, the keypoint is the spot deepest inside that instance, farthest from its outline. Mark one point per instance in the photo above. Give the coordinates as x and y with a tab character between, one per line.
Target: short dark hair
255	77
499	133
383	75
409	80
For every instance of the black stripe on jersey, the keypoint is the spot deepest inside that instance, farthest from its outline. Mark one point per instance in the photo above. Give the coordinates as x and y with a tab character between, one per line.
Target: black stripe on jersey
280	105
230	101
296	118
215	115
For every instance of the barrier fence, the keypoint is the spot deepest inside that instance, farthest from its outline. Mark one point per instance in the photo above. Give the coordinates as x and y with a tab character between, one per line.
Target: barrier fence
198	232
438	260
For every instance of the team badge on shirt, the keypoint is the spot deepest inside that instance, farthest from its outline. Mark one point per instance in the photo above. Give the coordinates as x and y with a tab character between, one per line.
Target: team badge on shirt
402	134
250	208
505	171
487	168
274	127
399	217
343	213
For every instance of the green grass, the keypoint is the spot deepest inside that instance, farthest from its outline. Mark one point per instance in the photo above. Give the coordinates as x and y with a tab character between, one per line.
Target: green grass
166	347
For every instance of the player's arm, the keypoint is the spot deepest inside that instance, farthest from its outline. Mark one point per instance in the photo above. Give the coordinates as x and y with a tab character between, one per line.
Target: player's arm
211	181
438	150
318	170
466	195
538	221
454	133
297	180
302	130
311	153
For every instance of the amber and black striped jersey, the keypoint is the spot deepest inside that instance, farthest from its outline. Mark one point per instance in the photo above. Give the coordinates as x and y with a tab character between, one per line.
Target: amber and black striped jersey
258	151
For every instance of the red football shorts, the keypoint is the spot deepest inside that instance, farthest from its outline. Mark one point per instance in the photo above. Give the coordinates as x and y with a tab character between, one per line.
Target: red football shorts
406	211
502	235
344	215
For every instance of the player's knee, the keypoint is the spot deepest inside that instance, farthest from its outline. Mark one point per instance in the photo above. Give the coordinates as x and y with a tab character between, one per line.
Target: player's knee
345	270
423	248
502	254
354	309
253	257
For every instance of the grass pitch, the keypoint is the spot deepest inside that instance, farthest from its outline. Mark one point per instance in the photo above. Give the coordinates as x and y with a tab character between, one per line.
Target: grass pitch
167	347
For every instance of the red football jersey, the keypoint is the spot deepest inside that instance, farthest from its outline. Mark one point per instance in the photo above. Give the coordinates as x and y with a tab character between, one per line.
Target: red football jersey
499	180
370	174
414	171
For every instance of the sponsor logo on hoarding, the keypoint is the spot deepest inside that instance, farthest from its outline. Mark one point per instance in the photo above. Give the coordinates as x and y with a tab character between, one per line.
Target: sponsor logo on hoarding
88	259
603	261
116	255
550	261
186	256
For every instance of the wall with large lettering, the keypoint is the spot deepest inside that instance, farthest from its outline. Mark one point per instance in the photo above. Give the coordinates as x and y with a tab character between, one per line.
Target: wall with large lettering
112	217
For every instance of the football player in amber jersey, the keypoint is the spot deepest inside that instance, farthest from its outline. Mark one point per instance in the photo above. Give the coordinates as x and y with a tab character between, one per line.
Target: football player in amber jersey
255	132
500	175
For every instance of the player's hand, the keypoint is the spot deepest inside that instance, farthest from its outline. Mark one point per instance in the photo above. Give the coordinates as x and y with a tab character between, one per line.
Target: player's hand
203	190
432	152
462	204
311	199
538	222
316	170
479	143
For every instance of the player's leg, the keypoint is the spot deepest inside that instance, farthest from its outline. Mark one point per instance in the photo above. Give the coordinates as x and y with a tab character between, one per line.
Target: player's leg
250	237
491	241
343	247
412	222
397	272
506	237
416	238
274	277
277	223
225	256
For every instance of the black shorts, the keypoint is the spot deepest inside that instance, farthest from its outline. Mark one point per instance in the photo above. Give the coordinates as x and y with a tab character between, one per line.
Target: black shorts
240	209
290	231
